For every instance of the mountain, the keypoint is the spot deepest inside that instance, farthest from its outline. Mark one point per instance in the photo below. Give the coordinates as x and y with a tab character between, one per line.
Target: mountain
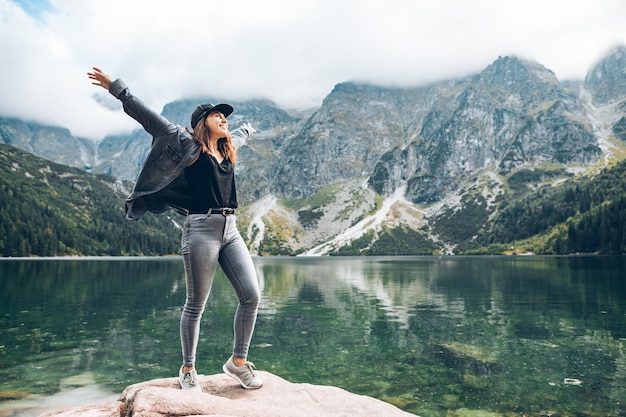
380	170
53	142
607	79
512	114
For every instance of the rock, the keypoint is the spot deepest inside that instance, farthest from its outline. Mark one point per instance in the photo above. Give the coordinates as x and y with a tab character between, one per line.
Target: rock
223	397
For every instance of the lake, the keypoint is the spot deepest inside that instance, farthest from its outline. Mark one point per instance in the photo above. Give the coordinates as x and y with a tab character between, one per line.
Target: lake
431	335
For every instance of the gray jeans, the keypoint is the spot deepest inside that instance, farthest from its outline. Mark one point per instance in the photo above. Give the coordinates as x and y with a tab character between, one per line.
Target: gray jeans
209	239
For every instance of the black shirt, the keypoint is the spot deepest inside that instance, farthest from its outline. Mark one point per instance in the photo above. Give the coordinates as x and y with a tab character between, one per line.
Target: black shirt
211	184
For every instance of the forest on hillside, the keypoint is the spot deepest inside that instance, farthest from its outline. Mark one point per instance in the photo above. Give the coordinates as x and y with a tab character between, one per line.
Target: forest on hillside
50	209
582	216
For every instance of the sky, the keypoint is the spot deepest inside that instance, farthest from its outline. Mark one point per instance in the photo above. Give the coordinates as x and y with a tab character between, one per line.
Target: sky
292	52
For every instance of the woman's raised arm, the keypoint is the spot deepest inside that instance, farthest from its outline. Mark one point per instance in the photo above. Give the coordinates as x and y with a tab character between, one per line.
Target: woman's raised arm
152	122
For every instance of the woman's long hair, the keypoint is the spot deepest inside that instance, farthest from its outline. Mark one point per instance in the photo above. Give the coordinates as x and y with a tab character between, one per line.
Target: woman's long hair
224	145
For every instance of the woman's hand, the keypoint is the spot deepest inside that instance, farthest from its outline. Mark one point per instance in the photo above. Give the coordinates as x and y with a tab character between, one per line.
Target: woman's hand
249	127
100	78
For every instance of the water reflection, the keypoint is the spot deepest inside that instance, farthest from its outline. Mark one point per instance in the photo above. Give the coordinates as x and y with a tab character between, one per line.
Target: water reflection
428	334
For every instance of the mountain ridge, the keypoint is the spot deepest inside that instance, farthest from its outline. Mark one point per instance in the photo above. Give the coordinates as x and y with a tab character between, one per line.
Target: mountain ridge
417	154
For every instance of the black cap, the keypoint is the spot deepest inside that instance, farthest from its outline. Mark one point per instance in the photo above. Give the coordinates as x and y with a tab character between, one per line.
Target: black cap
204	109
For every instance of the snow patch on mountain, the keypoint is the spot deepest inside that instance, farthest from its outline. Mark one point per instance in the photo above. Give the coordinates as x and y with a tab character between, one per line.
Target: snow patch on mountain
260	208
373	222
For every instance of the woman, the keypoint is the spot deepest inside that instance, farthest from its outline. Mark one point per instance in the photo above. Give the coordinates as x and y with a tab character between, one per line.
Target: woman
192	172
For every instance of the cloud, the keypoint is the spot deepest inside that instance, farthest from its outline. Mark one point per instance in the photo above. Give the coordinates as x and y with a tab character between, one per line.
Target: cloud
292	52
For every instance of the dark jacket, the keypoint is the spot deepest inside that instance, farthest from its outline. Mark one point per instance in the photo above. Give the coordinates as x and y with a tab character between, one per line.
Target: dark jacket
160	185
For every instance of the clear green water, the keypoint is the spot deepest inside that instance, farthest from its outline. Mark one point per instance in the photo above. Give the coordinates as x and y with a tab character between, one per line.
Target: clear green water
434	336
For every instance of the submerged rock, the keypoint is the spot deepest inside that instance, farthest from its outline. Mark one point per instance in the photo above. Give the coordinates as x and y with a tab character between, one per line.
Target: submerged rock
476	360
222	396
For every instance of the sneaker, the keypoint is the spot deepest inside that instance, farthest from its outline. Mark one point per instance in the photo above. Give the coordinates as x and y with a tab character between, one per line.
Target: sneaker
189	380
242	374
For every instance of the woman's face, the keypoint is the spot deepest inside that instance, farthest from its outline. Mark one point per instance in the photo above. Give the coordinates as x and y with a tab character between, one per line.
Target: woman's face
217	124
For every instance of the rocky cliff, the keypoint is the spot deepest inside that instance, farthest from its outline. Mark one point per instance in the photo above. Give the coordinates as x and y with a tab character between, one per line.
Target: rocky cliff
607	79
513	114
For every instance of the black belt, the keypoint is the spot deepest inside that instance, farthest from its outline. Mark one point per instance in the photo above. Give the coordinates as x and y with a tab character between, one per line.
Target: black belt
225	211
